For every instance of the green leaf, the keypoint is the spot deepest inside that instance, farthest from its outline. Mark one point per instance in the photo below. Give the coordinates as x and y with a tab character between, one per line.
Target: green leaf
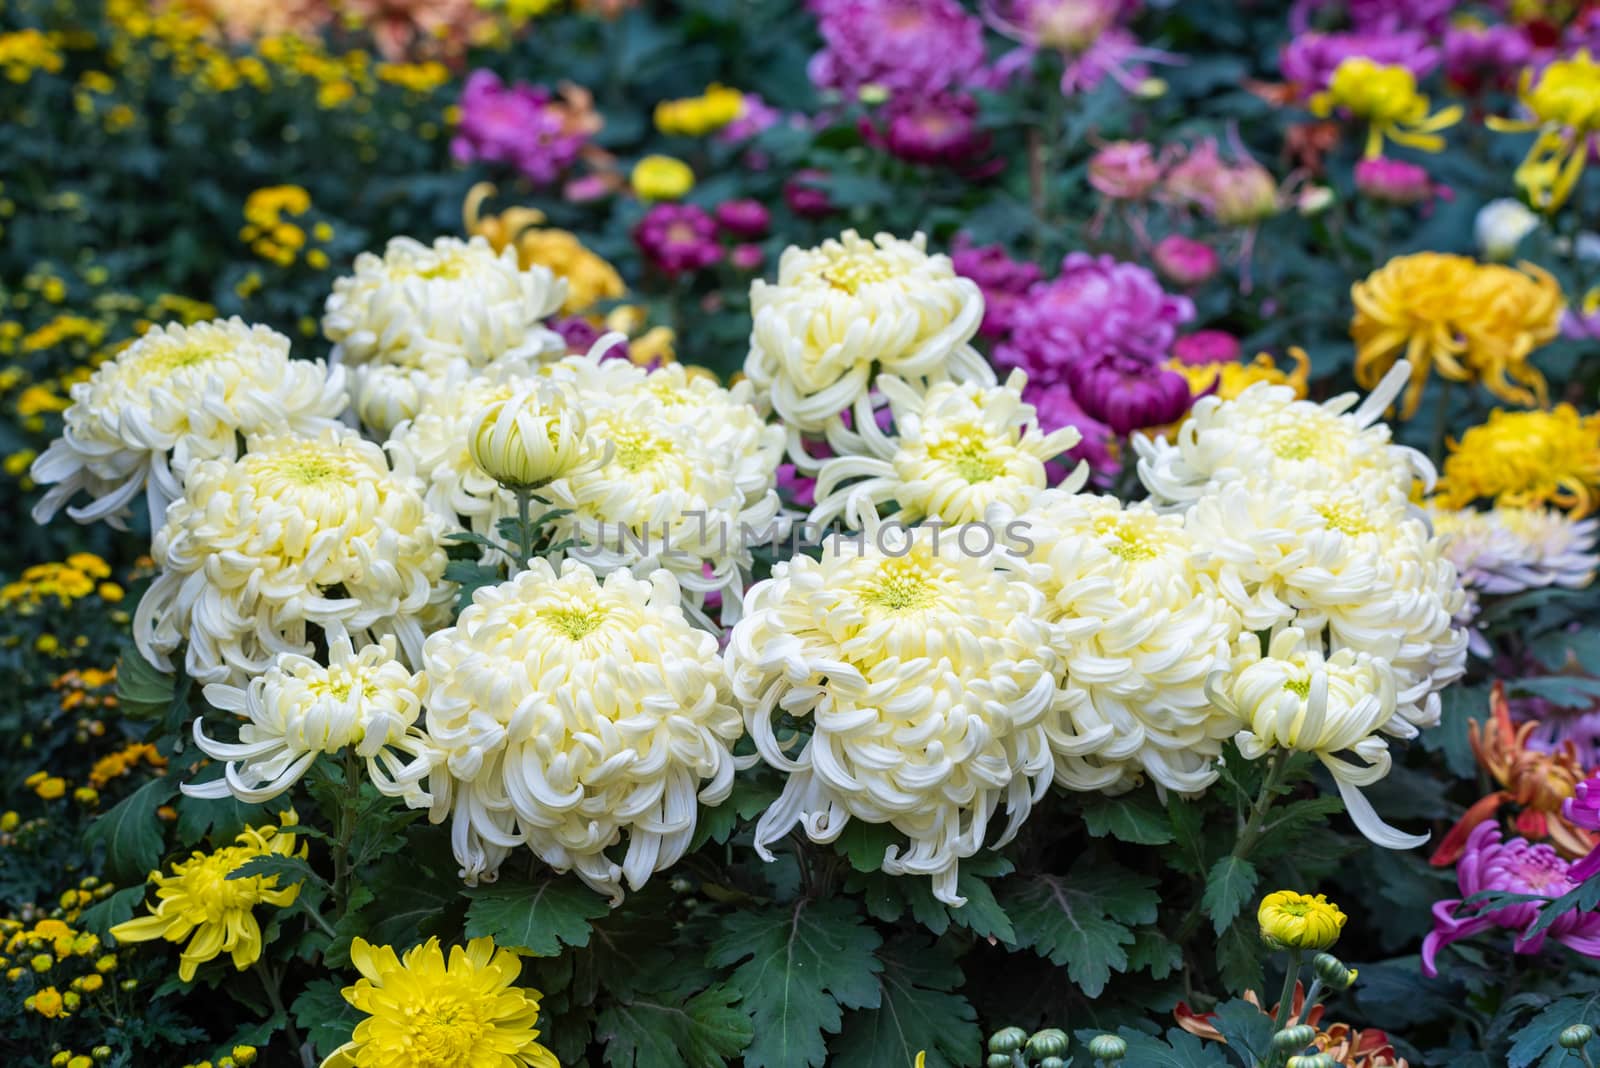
1535	1042
1229	885
920	1008
704	1030
1239	956
1459	705
863	844
538	917
1132	817
471	577
1189	856
1082	920
801	965
887	897
749	799
220	818
104	915
144	691
1180	1050
131	832
325	1016
1246	1028
1154	952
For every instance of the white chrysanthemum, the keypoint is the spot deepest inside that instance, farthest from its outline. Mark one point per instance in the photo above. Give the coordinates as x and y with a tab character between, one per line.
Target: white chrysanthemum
850	308
1350	562
1267	435
570	712
927	678
689	479
1142	626
299	709
957	451
415	315
178	395
298	532
1508	550
1295	698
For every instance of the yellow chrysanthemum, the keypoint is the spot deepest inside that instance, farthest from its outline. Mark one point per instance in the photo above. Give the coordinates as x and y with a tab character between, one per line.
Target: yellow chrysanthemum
178	395
406	319
849	309
1291	920
1141	626
1563	101
661	178
1386	97
199	898
571	712
956	451
1227	380
300	709
927	675
1527	459
422	1012
590	279
1470	321
1296	698
298	532
696	116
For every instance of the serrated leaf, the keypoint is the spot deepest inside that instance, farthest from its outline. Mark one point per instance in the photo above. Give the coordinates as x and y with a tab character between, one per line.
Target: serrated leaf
1082	920
1132	817
131	832
1536	1041
750	797
1246	1028
863	844
144	691
920	1008
1230	883
325	1016
1180	1050
100	917
887	898
704	1030
1154	952
538	917
1239	956
799	966
220	818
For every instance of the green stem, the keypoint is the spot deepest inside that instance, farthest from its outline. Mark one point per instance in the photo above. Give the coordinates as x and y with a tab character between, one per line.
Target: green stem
1251	833
1285	1015
1583	1055
524	529
269	983
345	829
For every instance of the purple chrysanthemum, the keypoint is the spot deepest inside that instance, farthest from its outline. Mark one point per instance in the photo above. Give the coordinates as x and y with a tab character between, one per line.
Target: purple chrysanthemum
1126	393
522	125
1583	810
912	46
1004	282
678	238
938	128
1308	62
1476	57
1056	408
1519	867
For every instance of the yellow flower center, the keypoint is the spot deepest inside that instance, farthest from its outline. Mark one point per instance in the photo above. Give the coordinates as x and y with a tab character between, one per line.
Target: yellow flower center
852	272
445	1034
969	455
1345	518
1301	688
164	359
449	267
636	449
1125	539
576	623
1293	443
901	586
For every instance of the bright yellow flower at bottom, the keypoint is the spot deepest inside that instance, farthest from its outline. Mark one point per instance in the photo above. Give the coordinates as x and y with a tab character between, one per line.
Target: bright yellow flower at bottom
1299	921
424	1013
199	897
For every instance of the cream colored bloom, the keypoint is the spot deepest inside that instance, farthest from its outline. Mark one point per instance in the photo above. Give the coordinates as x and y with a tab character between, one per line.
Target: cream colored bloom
928	678
688	481
1141	627
178	395
299	709
1295	698
409	317
571	712
1266	435
532	437
848	309
957	450
299	532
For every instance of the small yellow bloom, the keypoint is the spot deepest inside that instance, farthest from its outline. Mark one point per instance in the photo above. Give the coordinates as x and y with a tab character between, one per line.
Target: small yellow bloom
51	788
88	984
42	962
9	821
48	1003
1565	107
1233	377
697	116
1386	97
661	178
1526	459
1299	921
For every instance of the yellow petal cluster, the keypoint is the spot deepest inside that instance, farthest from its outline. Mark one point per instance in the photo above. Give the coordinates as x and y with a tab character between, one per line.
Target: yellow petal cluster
569	713
696	116
1386	98
1471	322
1291	920
402	321
1563	102
956	450
1227	380
1526	459
176	396
927	675
849	308
590	279
199	899
299	709
423	1011
299	532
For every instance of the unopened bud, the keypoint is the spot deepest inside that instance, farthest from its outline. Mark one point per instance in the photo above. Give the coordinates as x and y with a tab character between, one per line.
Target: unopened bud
999	1060
1315	1060
1051	1042
1293	1039
1576	1037
1333	973
1007	1040
1108	1048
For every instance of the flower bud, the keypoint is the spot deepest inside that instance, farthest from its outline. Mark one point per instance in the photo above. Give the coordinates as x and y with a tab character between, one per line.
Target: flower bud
1500	227
1007	1040
1052	1062
1293	1039
1576	1037
1051	1042
999	1060
1332	971
1184	260
528	439
1291	920
101	1053
1315	1060
1107	1048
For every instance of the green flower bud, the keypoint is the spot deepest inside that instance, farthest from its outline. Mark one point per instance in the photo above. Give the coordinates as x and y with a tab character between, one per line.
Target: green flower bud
1052	1062
999	1060
1333	973
1315	1060
1007	1040
1576	1037
1293	1039
1108	1048
1050	1042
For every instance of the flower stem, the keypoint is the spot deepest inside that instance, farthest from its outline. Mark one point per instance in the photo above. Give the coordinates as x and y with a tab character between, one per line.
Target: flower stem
345	829
269	983
1249	835
524	529
1291	977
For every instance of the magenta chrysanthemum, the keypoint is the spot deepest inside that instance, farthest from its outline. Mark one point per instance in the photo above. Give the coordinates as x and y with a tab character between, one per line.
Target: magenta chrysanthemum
678	238
912	46
522	125
1518	867
1308	62
1583	810
1004	281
